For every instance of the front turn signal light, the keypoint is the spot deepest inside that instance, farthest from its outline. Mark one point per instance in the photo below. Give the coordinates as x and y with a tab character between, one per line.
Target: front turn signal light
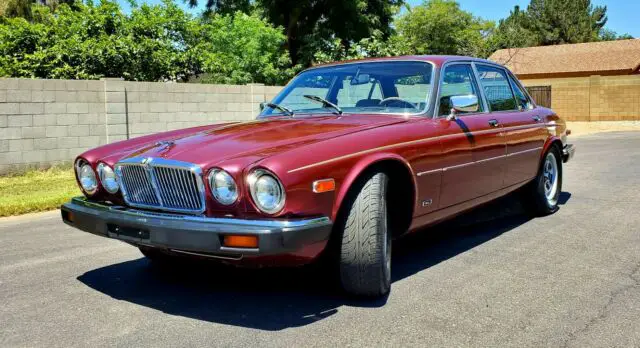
324	185
235	241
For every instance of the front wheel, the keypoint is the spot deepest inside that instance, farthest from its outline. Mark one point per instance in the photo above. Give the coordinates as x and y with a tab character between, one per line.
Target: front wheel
365	250
544	191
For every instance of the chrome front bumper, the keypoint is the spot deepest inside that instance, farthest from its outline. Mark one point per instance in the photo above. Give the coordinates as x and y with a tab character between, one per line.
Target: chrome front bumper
192	234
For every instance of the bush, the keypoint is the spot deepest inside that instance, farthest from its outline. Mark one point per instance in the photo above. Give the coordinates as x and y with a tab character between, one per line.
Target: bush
158	42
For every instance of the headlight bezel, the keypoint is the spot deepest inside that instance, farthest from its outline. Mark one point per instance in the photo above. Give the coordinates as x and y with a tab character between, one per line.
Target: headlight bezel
252	180
103	170
212	187
80	165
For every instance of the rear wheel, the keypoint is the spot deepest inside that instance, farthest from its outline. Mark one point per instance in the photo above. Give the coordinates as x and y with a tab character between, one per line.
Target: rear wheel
543	192
365	250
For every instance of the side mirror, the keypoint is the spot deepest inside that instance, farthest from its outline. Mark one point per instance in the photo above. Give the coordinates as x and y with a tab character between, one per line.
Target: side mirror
262	106
463	103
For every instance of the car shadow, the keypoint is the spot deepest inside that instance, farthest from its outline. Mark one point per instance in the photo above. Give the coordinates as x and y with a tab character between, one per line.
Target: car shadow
276	299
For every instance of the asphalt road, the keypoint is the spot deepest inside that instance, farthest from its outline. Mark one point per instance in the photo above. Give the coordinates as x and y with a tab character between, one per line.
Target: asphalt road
491	278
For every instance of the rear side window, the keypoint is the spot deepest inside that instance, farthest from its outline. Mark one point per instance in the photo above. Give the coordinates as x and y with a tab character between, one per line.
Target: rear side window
521	97
497	90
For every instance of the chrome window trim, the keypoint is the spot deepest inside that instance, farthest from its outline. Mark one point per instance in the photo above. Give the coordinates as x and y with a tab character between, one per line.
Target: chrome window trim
477	84
522	88
428	98
148	163
506	74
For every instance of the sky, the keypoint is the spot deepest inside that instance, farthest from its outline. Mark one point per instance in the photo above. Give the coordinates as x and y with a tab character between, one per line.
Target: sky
622	14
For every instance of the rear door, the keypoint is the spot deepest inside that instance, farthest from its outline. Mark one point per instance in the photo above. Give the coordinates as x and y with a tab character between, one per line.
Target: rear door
523	128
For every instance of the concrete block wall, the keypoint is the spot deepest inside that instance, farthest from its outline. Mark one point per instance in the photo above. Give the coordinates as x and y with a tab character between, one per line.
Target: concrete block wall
46	122
594	98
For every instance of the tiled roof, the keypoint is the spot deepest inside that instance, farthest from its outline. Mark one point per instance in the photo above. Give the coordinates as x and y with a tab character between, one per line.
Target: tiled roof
607	57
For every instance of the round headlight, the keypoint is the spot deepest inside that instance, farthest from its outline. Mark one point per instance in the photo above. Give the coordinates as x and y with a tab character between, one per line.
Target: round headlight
87	177
223	187
108	178
267	191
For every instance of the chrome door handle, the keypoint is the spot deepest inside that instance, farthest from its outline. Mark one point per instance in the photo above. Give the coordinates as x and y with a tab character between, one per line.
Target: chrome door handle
536	118
493	123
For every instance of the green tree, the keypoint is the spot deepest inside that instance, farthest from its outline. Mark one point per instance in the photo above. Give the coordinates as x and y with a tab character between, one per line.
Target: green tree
565	21
242	49
22	8
159	42
442	27
610	35
310	24
371	47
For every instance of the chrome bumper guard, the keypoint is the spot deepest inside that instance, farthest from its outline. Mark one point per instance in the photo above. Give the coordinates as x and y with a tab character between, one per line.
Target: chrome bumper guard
568	152
192	234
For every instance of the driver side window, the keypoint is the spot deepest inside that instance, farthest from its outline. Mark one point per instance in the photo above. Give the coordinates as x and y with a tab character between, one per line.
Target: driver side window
458	80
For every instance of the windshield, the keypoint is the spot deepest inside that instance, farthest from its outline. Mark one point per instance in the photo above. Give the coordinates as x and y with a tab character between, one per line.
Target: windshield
376	87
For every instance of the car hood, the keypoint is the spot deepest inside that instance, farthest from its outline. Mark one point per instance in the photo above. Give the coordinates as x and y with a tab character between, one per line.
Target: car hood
207	146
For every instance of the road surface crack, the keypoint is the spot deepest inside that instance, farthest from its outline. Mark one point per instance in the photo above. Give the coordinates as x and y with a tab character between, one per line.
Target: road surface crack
634	275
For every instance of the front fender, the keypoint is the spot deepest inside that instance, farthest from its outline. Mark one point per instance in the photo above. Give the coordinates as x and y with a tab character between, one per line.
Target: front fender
359	168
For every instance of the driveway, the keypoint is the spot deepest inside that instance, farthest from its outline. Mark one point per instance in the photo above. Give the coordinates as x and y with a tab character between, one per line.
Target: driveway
493	277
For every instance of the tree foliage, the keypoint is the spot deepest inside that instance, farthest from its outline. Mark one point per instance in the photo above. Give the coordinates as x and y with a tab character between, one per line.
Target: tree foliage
159	42
565	21
265	41
442	27
312	24
552	22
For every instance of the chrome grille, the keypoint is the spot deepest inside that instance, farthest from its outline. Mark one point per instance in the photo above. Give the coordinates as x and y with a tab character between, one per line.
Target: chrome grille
158	183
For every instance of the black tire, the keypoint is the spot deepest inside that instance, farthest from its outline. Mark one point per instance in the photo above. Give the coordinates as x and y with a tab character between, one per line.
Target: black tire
365	250
535	197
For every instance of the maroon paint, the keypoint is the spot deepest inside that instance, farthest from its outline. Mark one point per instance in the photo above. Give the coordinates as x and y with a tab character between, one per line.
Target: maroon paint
463	162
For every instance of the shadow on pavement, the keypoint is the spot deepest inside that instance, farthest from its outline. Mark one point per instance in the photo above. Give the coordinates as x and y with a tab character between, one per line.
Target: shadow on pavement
276	299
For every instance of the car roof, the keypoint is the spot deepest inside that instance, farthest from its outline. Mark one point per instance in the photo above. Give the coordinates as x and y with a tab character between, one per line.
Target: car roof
437	60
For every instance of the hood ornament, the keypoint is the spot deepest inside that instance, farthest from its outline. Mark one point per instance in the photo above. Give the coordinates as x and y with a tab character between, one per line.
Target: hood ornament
165	144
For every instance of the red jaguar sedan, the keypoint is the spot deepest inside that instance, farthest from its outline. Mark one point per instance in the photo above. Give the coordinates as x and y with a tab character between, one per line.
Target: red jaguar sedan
348	157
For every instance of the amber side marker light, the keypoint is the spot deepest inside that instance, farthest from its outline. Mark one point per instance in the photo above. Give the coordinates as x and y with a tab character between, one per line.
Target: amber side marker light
324	185
67	215
234	241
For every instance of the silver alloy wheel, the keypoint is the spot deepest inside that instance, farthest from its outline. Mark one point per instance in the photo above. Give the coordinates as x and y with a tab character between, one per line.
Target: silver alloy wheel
550	179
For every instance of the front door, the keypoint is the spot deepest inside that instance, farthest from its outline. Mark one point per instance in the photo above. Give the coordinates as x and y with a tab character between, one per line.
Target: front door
473	145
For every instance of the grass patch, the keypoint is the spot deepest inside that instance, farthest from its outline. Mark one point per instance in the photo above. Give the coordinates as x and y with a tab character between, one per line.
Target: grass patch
37	190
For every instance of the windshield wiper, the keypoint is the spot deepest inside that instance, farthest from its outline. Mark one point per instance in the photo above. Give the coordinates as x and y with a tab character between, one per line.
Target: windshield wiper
325	103
284	109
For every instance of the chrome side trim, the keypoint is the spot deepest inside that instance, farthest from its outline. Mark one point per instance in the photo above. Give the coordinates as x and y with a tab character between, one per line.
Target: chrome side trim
430	172
415	142
524	151
478	161
141	215
474	162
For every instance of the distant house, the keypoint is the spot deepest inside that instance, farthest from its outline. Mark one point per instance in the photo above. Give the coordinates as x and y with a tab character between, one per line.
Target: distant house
595	81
